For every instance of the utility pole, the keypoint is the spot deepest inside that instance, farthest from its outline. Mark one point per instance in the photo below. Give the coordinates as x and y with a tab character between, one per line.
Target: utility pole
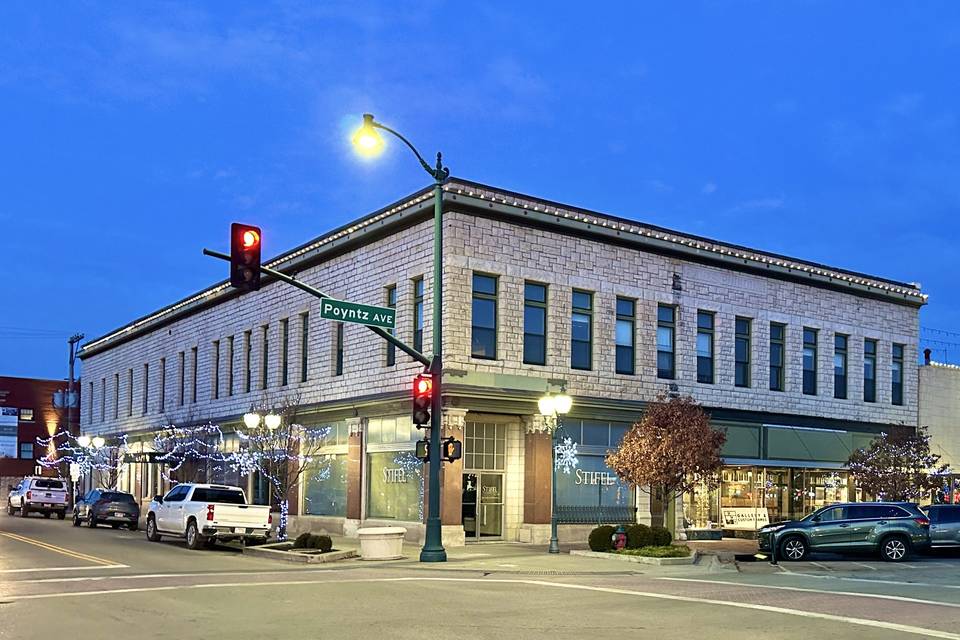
72	400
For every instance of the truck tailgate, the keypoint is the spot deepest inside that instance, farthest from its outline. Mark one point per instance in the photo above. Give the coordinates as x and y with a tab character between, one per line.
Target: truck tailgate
237	515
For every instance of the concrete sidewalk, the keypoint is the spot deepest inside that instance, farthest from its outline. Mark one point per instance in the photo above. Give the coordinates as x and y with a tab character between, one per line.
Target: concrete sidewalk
529	559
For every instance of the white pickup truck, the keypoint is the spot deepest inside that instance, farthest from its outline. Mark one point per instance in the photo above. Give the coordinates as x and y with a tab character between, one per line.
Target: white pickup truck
205	513
36	494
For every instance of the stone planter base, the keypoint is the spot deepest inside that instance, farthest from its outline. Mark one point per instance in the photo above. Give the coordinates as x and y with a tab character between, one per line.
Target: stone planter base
284	551
663	562
704	534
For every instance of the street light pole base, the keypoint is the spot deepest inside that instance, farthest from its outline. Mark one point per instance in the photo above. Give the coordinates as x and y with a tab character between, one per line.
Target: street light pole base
433	555
554	547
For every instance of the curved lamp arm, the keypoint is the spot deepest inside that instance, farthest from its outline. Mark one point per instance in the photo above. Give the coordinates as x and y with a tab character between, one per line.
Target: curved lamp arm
440	173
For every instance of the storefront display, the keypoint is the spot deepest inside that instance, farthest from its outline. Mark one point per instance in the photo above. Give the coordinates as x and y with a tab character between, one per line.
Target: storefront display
396	486
325	486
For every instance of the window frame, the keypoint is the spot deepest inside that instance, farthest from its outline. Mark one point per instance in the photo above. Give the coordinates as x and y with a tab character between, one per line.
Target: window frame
671	326
810	375
391	303
746	337
631	320
709	333
494	297
304	346
338	349
844	354
532	303
419	321
284	351
215	371
870	384
146	388
264	356
586	311
897	351
781	342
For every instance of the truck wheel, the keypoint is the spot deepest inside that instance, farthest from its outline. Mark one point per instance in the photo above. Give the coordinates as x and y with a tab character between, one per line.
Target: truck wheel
24	510
9	508
76	519
152	534
91	521
61	515
194	539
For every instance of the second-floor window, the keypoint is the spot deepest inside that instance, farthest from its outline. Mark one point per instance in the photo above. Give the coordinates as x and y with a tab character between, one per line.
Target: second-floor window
418	314
741	366
215	378
194	361
810	361
163	385
103	399
284	352
840	366
304	344
146	387
625	335
338	350
181	378
666	334
705	347
230	347
483	342
869	370
247	356
534	323
264	355
778	334
392	303
581	330
896	375
116	396
129	392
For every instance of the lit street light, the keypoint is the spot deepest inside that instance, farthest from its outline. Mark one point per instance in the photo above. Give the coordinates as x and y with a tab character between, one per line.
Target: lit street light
368	142
553	408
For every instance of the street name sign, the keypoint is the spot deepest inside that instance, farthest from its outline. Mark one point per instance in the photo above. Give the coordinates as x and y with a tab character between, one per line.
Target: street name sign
343	311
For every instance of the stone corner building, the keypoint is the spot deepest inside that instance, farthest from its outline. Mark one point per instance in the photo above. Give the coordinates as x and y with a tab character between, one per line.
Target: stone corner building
800	362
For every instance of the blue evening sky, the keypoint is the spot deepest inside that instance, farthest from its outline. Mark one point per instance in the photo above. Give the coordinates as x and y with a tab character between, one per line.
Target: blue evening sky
133	133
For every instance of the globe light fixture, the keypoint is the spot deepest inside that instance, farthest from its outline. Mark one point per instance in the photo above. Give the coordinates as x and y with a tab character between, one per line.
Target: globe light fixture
562	403
367	140
272	420
98	442
251	420
83	441
547	405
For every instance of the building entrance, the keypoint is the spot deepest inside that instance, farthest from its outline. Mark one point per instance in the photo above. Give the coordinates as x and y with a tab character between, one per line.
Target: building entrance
482	506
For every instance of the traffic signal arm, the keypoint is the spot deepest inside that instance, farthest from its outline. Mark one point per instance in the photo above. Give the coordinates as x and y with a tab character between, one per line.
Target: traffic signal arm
410	351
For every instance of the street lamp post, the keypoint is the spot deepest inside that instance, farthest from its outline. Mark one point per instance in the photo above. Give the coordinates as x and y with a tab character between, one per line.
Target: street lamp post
553	408
369	142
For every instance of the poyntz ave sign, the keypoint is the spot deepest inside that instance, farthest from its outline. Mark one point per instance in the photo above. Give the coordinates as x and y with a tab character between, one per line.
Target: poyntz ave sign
343	311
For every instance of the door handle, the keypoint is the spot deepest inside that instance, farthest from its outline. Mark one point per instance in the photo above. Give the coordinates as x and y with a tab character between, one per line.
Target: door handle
882	522
843	526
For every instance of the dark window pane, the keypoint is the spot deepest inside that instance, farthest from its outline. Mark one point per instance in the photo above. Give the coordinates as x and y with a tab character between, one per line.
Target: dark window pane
840	343
665	314
664	339
484	344
624	333
581	327
776	332
534	320
809	336
581	300
625	360
869	346
741	372
580	355
484	313
705	320
776	355
742	350
535	292
484	284
617	431
840	387
897	351
665	365
625	307
596	433
534	349
743	326
705	370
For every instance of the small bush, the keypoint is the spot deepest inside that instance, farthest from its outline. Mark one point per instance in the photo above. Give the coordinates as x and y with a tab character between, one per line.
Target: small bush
660	536
638	535
659	551
600	538
313	541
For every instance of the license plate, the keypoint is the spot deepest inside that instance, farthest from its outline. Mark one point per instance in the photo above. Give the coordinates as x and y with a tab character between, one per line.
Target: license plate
117	514
47	505
239	529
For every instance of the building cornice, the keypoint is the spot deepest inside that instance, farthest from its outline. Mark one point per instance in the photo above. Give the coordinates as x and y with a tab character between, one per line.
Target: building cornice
471	197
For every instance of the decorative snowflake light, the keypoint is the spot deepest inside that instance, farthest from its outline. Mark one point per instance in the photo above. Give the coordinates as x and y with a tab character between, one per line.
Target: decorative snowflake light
567	455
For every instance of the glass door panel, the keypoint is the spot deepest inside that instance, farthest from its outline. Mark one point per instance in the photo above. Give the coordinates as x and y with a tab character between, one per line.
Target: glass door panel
469	509
490	520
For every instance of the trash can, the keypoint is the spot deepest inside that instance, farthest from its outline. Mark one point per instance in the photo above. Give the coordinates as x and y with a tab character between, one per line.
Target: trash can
381	543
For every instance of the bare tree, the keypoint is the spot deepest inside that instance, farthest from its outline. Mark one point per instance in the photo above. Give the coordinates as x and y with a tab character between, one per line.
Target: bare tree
898	466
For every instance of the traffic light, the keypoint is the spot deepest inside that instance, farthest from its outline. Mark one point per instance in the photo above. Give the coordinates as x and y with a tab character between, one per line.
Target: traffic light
423	450
244	257
422	396
451	449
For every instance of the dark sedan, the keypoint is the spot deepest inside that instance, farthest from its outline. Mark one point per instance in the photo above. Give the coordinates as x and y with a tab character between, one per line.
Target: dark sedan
101	506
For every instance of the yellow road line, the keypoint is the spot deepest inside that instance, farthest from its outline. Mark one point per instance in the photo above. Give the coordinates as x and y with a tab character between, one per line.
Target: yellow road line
50	547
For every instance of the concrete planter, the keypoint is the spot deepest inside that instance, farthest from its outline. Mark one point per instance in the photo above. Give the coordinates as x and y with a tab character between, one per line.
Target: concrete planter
381	543
284	551
662	562
704	534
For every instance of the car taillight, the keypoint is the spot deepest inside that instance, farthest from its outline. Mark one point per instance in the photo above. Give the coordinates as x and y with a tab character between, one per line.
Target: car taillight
29	495
923	522
270	519
210	512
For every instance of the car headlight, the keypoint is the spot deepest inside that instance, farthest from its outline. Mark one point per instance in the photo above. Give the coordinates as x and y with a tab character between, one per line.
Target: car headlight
773	528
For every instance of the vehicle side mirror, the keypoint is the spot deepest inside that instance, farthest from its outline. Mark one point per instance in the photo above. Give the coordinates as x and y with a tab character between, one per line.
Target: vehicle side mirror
816	519
158	499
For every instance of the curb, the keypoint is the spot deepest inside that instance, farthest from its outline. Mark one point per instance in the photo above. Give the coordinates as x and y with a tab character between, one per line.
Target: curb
301	558
661	562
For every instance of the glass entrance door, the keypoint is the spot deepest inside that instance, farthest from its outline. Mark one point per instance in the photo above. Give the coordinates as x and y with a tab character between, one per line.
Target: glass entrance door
482	506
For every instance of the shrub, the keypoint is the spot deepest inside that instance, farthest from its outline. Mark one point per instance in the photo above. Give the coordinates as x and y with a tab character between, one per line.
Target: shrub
313	541
660	536
600	538
302	541
665	551
638	535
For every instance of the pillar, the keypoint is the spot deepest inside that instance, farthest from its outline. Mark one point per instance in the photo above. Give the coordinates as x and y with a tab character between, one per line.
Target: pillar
354	469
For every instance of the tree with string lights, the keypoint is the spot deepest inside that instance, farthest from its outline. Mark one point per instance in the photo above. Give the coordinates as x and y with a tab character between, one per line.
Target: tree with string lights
898	466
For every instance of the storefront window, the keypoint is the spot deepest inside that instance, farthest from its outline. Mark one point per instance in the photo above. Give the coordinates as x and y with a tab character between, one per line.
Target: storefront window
700	509
395	486
592	484
325	486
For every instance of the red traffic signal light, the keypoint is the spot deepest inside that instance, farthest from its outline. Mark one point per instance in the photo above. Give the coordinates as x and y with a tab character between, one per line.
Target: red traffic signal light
422	397
244	256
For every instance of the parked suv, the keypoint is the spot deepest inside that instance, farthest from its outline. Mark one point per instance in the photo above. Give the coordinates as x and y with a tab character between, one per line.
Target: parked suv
892	529
35	494
944	525
102	506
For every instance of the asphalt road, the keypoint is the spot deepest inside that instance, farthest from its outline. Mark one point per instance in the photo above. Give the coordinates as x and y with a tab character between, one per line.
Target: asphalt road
56	580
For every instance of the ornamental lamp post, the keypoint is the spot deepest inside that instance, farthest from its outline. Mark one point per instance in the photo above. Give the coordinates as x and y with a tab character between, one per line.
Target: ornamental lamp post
553	408
368	142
